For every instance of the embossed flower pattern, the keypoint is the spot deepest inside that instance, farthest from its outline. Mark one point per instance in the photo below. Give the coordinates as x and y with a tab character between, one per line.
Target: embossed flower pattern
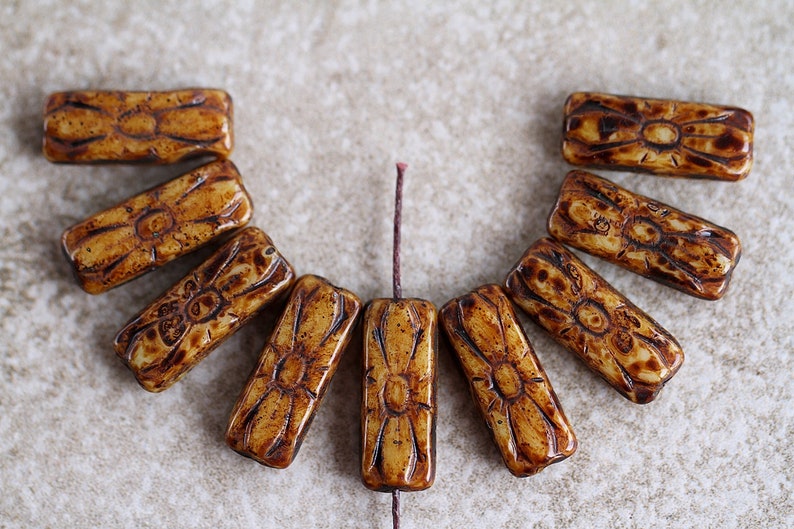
644	236
183	325
664	137
507	382
398	410
276	407
585	314
152	127
157	226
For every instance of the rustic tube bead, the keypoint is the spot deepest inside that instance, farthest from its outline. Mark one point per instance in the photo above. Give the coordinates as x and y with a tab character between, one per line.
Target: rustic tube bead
157	226
142	127
586	315
398	412
181	327
277	405
658	136
507	382
647	237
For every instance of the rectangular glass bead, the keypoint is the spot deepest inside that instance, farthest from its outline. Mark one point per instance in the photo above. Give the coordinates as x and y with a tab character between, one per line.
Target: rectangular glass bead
398	411
658	136
508	384
647	237
587	316
142	127
181	327
157	226
277	405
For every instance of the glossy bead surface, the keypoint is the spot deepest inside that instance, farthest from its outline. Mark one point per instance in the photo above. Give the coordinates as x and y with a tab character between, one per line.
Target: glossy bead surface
587	316
664	137
277	405
398	411
644	236
181	327
157	226
141	127
507	382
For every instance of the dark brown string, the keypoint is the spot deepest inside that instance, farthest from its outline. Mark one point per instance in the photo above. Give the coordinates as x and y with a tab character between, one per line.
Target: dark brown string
395	509
398	206
398	293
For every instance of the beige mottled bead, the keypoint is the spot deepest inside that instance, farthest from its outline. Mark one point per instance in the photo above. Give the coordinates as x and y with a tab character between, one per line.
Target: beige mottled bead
508	384
140	127
585	314
273	413
181	327
157	226
398	412
664	137
645	236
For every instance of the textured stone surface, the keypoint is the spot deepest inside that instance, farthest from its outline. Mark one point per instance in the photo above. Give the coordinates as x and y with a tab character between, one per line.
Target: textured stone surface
327	97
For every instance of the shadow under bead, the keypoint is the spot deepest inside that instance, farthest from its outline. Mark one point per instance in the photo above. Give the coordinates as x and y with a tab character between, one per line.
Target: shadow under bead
587	316
181	327
507	382
275	409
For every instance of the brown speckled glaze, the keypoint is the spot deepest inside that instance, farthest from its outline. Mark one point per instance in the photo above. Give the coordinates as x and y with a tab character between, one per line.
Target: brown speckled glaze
398	409
645	236
274	411
181	327
508	384
157	226
142	127
663	137
582	312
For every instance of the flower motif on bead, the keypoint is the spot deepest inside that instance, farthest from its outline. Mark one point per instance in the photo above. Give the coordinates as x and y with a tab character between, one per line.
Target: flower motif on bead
182	326
668	137
399	419
507	381
277	405
582	311
158	127
645	236
157	226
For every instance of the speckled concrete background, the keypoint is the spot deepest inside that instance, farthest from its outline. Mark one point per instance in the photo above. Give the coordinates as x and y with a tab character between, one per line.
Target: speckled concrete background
328	96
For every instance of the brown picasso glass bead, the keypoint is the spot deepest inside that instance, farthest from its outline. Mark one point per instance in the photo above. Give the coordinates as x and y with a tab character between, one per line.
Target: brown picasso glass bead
398	411
508	384
644	236
140	127
586	315
181	327
664	137
157	226
277	405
